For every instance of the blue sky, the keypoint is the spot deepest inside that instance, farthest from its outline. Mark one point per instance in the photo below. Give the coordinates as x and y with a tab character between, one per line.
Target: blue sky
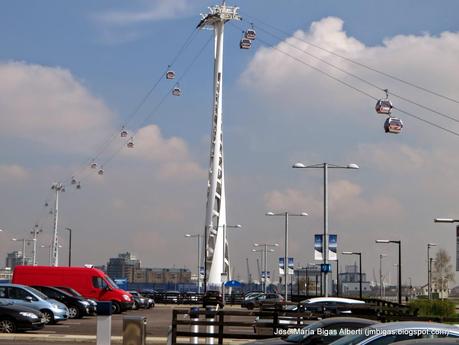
84	66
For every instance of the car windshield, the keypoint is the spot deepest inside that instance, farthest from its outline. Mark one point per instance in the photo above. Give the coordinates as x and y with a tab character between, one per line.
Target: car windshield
111	282
305	331
37	293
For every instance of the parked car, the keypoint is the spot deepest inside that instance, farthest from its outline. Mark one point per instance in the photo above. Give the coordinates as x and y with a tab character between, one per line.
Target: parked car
212	297
393	332
171	297
92	303
320	332
264	299
88	281
190	297
139	300
77	306
329	305
14	318
52	310
252	294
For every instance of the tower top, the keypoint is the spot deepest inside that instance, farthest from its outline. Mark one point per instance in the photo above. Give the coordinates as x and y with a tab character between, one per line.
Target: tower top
219	13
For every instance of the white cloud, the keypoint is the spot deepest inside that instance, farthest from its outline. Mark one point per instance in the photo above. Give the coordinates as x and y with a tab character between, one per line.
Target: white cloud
152	11
172	154
48	106
11	173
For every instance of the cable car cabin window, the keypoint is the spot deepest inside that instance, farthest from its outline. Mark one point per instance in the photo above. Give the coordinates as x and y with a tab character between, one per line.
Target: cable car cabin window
99	283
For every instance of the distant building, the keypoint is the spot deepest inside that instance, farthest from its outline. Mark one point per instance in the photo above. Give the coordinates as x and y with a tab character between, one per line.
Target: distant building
6	274
127	266
349	281
15	258
123	266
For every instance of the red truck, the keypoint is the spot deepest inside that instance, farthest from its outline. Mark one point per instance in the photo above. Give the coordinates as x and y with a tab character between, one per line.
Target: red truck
89	282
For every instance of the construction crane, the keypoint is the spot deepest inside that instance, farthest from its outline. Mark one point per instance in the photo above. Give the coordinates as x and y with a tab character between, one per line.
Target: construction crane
249	276
259	271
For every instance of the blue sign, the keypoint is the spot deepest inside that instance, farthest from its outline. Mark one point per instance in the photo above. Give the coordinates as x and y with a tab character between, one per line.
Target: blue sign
232	283
325	268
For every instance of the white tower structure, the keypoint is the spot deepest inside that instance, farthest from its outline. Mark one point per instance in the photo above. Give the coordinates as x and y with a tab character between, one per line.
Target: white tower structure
215	223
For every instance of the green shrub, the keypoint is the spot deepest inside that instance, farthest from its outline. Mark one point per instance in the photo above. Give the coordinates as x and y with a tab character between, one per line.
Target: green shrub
434	308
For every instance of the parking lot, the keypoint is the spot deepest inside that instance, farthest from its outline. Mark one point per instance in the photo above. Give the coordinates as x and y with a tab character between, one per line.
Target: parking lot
158	322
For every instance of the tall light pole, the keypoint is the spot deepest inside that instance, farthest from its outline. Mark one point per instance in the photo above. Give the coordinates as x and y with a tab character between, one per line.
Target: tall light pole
325	167
70	245
381	256
399	265
360	269
198	236
286	214
266	247
57	188
35	232
429	271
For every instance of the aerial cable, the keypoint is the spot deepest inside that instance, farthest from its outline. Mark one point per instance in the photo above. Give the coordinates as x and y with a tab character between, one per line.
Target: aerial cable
156	108
450	117
352	86
103	146
361	64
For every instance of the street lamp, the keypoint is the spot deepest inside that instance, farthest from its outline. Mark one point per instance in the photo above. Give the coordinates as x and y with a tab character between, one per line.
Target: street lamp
381	256
286	215
265	247
429	271
325	167
360	269
70	245
198	236
399	265
446	220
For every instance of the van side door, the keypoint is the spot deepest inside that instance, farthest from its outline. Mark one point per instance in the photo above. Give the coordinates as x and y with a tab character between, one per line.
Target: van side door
99	286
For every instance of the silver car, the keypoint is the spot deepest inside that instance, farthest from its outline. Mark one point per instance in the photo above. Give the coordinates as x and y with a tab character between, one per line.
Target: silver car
52	310
388	333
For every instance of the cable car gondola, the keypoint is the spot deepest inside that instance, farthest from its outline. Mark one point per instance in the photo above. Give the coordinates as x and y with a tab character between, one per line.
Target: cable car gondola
130	143
170	75
384	105
250	34
176	91
93	165
393	125
245	43
78	186
123	133
74	181
101	171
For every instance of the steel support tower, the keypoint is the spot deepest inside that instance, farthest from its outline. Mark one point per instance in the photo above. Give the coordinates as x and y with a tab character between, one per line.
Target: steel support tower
214	263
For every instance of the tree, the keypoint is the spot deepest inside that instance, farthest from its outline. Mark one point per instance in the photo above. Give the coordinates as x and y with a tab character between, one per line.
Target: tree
442	273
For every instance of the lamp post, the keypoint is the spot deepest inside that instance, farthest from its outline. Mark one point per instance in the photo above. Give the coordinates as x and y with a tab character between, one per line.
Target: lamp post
198	236
381	256
399	265
360	269
325	167
429	271
286	215
265	247
70	245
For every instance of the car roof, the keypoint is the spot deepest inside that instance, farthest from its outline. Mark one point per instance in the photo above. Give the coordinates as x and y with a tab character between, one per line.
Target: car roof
332	320
331	299
14	285
416	325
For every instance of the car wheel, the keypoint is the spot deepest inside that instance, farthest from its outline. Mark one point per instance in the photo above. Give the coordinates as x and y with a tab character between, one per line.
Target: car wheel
74	312
116	309
48	317
7	326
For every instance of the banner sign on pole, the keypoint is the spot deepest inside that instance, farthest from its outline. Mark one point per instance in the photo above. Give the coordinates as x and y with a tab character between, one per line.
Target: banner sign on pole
332	247
266	275
318	248
291	266
281	266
